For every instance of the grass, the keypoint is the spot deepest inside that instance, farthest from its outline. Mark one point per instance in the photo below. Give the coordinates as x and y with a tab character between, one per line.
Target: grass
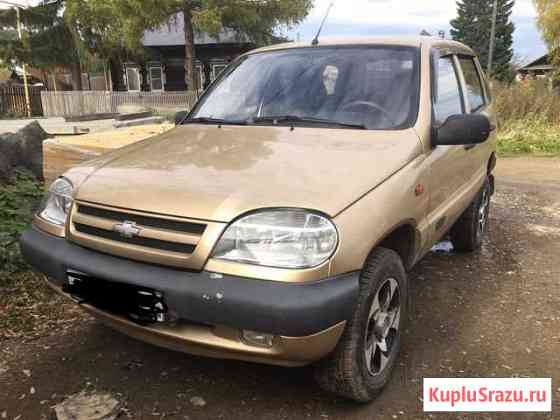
532	136
529	119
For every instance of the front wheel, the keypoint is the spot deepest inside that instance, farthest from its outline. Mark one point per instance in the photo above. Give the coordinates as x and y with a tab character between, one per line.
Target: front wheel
468	231
364	359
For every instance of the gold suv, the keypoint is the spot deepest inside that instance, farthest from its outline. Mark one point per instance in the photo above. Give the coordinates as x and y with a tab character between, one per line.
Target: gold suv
277	222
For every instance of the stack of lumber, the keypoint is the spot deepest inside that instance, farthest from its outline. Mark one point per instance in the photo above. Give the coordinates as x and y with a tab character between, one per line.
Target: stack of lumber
62	153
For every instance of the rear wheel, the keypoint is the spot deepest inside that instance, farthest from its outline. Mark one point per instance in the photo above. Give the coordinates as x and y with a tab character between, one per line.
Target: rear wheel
364	359
468	231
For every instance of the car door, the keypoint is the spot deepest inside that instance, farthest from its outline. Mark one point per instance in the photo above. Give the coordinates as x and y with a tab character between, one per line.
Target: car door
450	169
477	101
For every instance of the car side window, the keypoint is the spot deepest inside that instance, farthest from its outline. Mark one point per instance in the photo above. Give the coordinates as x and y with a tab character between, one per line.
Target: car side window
447	96
473	82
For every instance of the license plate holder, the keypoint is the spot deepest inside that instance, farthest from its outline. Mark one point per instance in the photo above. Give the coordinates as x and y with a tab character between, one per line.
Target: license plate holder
141	305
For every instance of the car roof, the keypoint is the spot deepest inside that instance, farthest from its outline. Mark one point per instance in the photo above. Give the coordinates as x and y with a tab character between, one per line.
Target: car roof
447	46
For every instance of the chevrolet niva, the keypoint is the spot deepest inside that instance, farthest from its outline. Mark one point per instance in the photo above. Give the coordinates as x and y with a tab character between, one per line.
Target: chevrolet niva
277	222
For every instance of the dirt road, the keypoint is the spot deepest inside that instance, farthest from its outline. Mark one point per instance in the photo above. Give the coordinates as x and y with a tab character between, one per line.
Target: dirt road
494	313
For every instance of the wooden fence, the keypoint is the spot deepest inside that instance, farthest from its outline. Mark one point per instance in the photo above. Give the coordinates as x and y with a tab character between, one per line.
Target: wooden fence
66	104
12	101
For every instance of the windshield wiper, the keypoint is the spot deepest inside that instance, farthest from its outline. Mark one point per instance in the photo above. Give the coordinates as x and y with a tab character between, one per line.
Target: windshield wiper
208	120
278	119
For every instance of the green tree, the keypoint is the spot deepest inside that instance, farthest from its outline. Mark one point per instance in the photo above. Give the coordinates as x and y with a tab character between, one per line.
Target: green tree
548	19
47	41
121	23
103	29
473	27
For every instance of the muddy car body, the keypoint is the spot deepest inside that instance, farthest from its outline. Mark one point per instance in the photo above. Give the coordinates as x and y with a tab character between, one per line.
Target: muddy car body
277	222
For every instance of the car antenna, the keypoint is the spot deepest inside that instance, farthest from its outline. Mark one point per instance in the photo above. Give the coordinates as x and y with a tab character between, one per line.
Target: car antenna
316	39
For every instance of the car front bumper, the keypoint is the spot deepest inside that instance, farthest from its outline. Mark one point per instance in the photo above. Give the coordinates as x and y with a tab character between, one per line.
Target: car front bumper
211	310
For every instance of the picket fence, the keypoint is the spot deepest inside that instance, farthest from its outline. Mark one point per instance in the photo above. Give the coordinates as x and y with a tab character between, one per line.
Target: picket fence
12	101
66	104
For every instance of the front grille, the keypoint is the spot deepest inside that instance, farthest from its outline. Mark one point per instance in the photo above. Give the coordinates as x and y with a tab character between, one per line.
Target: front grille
147	242
147	221
163	240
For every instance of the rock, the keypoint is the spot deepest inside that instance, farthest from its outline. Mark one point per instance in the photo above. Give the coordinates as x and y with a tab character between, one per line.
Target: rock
198	401
30	140
88	406
9	155
24	148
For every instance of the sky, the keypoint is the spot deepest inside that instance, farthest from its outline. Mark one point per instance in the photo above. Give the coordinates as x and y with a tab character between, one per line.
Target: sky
404	17
409	17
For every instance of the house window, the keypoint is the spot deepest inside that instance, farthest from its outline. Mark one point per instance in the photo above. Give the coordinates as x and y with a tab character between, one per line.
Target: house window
198	77
156	79
133	79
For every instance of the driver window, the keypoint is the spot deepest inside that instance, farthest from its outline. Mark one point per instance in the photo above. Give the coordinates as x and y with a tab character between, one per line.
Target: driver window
447	96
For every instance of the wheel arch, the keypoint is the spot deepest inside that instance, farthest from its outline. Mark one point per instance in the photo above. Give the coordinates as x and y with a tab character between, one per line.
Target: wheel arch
403	239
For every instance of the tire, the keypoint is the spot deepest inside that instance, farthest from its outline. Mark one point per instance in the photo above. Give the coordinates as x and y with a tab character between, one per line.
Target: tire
468	232
347	372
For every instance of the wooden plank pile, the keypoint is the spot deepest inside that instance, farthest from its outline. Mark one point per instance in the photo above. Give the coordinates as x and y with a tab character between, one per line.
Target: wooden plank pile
62	153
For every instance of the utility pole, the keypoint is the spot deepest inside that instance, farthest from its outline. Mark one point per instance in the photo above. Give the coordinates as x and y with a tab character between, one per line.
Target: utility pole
492	38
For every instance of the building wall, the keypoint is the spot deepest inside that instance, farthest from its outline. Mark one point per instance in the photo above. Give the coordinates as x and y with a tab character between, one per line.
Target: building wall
168	65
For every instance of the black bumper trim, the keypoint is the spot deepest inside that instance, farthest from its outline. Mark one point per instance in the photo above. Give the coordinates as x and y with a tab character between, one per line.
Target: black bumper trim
293	310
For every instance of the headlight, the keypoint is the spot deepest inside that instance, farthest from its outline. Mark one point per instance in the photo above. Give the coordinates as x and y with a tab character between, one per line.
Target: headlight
57	203
279	238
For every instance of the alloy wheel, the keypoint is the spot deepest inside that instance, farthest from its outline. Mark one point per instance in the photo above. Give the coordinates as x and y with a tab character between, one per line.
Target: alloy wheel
483	212
382	327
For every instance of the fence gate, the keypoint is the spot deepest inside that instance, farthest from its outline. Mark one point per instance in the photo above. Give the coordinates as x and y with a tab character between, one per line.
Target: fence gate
12	101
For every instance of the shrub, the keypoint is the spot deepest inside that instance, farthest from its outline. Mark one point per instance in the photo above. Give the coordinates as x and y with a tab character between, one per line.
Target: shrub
529	118
18	200
526	101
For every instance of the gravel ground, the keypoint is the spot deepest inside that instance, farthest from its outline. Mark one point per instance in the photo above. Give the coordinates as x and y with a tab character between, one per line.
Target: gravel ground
494	313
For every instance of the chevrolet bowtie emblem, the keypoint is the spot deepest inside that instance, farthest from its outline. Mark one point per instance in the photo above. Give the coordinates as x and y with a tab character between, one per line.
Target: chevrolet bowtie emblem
127	229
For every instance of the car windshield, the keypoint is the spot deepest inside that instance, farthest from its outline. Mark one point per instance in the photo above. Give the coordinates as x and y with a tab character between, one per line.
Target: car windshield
344	87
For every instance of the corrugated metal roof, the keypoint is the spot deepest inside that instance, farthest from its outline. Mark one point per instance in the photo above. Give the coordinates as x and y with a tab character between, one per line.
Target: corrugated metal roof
172	34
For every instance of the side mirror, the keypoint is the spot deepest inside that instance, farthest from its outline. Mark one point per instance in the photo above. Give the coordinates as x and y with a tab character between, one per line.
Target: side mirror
180	117
462	129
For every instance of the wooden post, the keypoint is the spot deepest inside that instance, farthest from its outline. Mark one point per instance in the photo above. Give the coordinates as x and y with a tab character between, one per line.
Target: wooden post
54	80
25	86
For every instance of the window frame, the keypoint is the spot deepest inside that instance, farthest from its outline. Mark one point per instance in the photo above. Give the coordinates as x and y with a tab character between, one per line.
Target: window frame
437	55
411	122
481	80
138	75
161	78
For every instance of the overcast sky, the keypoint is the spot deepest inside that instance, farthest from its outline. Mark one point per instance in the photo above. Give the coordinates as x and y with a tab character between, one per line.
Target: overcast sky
405	17
409	17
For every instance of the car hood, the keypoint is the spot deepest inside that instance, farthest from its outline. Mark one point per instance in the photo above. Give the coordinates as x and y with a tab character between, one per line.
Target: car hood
217	173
